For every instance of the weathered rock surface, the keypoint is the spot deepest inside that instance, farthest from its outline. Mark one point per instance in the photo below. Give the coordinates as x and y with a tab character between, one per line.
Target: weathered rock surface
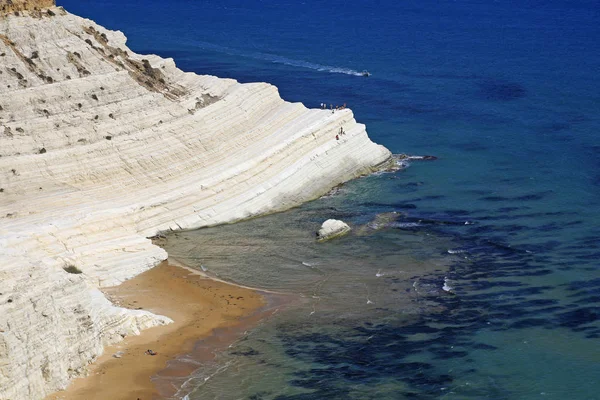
101	148
34	7
332	228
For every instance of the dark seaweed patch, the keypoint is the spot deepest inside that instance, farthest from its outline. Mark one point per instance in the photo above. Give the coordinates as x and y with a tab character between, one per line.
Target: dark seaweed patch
246	352
495	198
259	395
528	323
482	346
508	209
581	316
501	90
533	196
369	355
527	197
553	127
406	206
471	146
490	297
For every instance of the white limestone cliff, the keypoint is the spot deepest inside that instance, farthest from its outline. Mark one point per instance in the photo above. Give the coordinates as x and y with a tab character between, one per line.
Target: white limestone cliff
101	148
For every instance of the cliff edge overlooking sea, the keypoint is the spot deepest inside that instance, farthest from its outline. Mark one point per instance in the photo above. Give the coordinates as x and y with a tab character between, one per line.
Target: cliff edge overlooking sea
102	148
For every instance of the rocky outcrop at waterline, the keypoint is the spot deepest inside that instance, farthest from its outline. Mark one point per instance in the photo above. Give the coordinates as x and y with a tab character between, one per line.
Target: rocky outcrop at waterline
332	228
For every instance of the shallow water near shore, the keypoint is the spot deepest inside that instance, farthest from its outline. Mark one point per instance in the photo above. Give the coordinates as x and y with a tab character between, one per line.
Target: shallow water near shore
506	95
370	277
375	322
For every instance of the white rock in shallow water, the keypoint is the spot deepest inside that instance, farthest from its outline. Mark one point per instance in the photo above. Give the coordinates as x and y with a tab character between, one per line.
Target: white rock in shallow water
332	228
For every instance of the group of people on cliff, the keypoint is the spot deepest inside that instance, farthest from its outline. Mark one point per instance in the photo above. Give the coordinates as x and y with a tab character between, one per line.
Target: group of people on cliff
324	107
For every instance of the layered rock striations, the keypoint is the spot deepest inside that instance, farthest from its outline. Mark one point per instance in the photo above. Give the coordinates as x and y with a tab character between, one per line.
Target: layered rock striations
101	148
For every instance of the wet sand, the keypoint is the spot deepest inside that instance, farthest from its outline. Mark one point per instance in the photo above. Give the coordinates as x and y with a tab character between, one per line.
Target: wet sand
197	304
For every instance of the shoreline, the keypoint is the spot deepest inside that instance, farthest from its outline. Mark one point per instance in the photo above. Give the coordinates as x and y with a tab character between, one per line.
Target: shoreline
178	378
177	263
208	316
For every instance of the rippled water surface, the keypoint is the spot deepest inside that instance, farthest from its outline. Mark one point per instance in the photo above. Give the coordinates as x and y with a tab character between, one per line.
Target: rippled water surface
506	95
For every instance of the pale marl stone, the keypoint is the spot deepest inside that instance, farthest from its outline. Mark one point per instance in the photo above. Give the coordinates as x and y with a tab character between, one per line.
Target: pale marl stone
102	148
332	228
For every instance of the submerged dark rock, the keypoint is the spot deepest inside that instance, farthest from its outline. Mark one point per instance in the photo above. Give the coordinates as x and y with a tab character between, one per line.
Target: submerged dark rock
501	90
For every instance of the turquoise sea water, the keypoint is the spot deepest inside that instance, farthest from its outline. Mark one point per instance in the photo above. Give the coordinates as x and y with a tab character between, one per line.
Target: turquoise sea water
506	94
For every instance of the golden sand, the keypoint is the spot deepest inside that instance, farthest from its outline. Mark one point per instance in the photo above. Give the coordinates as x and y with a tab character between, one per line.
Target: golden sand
197	304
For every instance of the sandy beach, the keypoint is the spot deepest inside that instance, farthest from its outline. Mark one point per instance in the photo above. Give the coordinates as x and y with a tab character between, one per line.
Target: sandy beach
197	304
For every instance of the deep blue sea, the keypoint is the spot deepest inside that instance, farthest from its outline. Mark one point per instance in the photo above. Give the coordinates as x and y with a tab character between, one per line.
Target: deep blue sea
507	95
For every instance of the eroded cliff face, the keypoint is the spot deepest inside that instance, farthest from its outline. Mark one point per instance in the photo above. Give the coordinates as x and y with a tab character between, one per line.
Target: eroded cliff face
16	6
101	148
